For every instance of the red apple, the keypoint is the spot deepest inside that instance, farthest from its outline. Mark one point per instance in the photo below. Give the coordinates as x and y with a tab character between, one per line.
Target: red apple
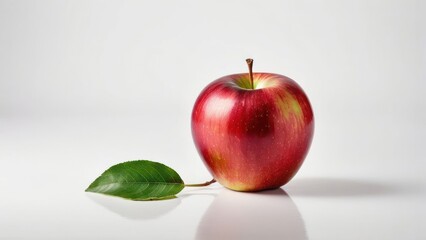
253	130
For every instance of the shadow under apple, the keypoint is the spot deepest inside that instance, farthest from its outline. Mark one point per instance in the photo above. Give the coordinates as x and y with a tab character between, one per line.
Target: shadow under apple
339	187
135	210
263	215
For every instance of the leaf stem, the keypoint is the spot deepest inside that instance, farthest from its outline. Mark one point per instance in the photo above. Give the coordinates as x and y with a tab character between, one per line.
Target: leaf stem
201	184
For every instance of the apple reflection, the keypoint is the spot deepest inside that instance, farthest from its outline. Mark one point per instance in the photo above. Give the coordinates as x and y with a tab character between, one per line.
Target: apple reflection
264	215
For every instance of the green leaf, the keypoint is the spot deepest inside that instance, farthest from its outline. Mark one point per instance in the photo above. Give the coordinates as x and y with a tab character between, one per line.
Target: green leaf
138	180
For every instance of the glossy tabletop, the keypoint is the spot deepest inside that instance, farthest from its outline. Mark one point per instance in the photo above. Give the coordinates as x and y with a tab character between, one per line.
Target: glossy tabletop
46	163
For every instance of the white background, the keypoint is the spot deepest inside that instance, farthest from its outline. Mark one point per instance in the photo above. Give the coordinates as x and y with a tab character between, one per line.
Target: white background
88	84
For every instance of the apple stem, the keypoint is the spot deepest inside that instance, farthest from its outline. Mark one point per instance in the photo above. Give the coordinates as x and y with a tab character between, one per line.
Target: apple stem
250	66
201	184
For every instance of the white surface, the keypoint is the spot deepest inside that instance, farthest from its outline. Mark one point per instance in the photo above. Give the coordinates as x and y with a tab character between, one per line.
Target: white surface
47	164
87	84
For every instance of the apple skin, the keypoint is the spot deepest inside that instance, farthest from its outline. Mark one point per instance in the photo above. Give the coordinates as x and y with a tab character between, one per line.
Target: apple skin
252	139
